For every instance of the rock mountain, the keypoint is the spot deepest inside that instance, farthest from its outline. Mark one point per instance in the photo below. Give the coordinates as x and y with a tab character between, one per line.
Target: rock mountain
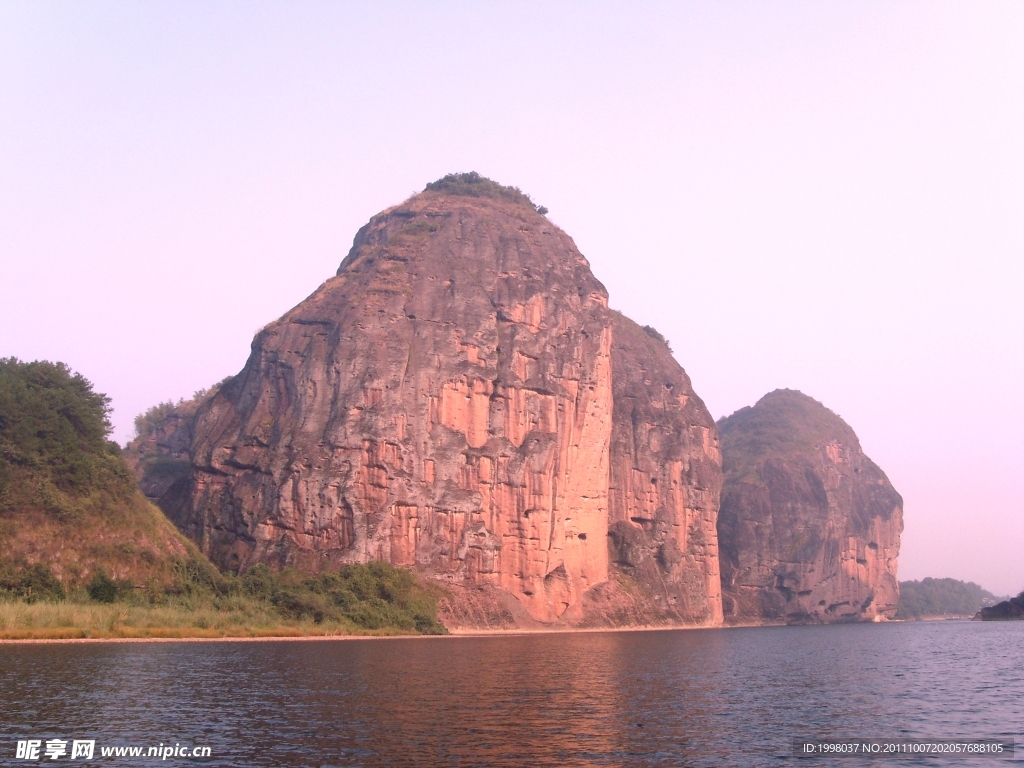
460	399
809	526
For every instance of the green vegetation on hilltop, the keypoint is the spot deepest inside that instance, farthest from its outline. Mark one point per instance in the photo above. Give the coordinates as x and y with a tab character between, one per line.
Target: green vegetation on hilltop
68	503
53	439
472	184
941	597
654	333
146	423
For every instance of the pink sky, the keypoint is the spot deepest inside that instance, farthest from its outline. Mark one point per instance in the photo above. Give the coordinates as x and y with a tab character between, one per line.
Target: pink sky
822	196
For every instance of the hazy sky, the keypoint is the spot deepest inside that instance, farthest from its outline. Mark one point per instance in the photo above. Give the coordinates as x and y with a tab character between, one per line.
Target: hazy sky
821	196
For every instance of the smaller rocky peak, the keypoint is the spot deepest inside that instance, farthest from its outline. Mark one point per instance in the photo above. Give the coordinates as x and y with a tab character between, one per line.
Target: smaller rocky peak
664	481
809	526
782	424
160	452
645	363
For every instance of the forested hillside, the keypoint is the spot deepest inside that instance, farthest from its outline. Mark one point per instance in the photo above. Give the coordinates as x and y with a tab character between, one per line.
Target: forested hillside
942	597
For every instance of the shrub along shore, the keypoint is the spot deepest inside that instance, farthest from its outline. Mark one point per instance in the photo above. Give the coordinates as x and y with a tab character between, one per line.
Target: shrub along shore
371	599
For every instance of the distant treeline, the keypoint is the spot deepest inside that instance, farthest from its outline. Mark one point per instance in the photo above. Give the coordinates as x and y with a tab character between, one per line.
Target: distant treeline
942	597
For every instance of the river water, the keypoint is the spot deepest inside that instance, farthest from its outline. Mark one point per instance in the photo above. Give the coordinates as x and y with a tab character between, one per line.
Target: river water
662	698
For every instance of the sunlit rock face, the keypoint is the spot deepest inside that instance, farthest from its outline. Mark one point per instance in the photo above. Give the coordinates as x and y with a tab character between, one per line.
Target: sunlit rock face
809	526
445	401
460	399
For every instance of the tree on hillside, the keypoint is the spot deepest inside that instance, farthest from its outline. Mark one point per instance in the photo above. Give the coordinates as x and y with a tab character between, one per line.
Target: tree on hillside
54	431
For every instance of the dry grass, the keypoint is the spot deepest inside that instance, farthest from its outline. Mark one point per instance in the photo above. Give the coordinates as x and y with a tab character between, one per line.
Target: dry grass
129	538
69	620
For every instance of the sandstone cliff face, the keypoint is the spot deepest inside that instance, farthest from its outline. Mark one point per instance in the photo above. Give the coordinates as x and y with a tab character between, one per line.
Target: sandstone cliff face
460	399
443	402
448	402
809	526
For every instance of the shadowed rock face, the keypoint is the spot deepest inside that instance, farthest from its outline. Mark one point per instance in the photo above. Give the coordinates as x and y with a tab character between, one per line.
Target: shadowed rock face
809	526
162	456
447	401
1008	610
665	479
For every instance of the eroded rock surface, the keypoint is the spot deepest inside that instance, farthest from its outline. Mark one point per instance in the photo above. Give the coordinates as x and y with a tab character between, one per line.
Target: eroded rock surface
809	527
460	399
665	480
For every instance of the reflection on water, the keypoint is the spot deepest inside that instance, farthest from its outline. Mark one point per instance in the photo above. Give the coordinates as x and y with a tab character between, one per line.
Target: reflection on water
708	697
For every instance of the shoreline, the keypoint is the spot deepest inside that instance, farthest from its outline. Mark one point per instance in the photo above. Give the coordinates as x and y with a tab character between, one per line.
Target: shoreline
452	633
458	633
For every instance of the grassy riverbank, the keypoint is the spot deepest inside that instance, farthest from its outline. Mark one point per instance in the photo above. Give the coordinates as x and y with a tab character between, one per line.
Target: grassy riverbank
369	599
68	620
